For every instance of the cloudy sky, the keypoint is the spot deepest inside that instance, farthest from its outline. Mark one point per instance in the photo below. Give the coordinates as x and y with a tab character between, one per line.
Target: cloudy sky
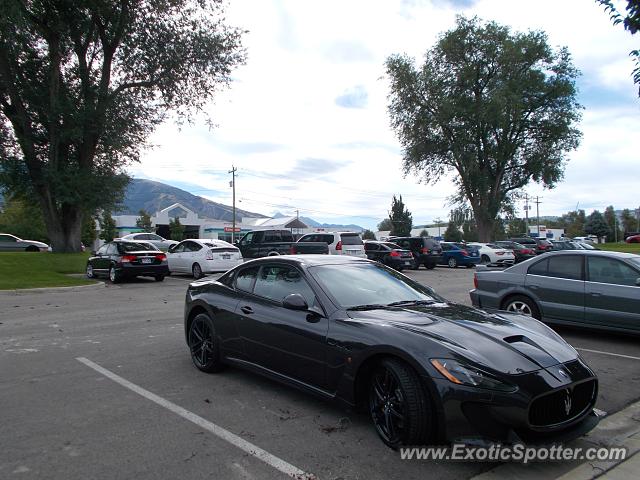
305	119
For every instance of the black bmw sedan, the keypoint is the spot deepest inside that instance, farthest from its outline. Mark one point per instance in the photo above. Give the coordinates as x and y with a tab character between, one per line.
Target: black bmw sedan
426	370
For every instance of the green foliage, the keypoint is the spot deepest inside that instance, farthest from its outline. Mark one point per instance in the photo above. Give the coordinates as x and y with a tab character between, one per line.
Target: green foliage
452	233
574	223
84	83
144	221
424	233
176	229
517	226
614	226
23	219
385	225
498	108
631	23
463	217
89	232
368	235
596	225
400	217
108	230
630	223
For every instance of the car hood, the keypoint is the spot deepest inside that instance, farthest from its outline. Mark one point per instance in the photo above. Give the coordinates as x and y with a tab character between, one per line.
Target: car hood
507	343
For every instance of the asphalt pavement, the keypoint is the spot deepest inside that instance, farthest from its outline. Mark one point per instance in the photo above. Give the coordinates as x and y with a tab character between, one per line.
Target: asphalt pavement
98	383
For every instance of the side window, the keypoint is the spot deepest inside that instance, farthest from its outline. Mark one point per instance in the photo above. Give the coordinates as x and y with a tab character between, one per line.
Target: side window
607	270
112	249
102	250
7	238
192	246
179	248
153	237
272	236
445	247
565	266
248	238
246	278
539	268
328	239
371	247
276	282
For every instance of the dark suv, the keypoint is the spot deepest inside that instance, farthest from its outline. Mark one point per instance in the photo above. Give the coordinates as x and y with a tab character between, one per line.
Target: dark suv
540	245
426	251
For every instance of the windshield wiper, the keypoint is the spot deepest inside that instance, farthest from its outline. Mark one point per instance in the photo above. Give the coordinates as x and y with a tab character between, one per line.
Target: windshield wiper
371	306
411	302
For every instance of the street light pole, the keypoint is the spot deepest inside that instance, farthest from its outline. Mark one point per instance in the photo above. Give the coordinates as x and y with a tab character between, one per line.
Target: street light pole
233	184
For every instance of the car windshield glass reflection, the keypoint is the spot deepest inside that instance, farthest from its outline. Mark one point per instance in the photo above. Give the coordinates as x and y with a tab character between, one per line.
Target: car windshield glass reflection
371	286
133	247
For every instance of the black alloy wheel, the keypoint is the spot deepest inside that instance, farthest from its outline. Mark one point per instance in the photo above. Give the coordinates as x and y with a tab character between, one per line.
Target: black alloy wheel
159	278
398	405
204	345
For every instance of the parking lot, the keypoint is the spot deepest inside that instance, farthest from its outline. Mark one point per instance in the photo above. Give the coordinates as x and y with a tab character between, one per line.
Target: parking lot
97	383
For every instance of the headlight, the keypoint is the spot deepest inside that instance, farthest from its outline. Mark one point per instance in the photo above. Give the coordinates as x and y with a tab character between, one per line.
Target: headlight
461	374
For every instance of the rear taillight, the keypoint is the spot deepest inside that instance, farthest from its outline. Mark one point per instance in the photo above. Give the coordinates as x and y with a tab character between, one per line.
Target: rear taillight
424	250
209	255
394	253
464	253
161	256
292	250
129	258
339	246
499	253
475	280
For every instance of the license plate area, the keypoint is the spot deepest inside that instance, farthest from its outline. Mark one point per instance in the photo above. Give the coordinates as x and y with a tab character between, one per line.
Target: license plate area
146	260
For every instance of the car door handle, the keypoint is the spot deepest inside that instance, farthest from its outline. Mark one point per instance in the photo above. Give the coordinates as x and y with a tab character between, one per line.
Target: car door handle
595	294
247	310
534	287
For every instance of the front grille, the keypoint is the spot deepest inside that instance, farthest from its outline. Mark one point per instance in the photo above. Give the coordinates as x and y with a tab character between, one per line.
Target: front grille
562	405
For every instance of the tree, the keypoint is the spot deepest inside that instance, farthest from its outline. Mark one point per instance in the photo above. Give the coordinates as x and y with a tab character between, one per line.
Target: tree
596	225
463	218
144	221
401	219
176	229
424	233
497	108
23	219
612	223
574	223
631	22
385	225
368	235
82	85
628	221
108	230
517	227
452	233
89	233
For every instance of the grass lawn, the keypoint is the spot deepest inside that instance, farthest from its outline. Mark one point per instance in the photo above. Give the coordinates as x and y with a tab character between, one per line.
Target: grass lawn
621	247
35	270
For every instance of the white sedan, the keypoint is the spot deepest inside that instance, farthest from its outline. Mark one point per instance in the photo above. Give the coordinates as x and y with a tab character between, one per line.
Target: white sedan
201	256
492	255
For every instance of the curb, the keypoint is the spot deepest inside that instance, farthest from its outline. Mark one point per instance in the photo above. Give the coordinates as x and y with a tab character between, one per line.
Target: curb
29	291
621	429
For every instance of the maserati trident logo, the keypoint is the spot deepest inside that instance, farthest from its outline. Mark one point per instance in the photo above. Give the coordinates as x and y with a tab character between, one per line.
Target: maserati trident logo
563	373
567	402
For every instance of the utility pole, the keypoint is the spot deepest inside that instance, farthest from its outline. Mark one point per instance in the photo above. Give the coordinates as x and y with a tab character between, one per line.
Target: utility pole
538	214
233	184
526	213
438	221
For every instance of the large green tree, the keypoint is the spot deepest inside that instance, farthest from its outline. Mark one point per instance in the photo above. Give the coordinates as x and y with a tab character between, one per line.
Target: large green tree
495	107
596	225
144	221
23	219
401	219
629	221
84	82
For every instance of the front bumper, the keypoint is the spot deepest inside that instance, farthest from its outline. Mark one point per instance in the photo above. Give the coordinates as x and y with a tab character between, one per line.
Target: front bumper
472	415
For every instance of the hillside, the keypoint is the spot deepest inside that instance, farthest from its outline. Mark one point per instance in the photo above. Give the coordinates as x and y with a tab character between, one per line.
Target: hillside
154	196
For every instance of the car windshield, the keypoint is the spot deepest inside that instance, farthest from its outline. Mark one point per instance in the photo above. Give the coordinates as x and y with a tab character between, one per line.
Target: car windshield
370	285
351	239
134	247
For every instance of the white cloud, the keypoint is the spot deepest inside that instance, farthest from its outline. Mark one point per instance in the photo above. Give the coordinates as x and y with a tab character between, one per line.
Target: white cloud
281	109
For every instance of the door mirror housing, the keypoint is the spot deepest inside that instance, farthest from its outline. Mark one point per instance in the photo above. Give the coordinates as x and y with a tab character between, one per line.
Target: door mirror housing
295	301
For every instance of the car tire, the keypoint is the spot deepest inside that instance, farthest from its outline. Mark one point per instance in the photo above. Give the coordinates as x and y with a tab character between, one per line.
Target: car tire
114	275
485	260
203	344
196	271
452	262
399	406
415	265
31	248
89	271
522	305
159	278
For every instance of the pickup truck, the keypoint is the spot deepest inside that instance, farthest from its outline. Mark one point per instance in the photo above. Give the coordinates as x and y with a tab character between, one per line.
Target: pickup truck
266	243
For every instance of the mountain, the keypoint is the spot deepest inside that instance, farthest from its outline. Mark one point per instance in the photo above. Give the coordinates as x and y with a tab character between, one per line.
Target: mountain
154	196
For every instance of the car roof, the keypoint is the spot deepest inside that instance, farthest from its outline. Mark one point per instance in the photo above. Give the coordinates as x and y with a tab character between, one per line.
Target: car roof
310	260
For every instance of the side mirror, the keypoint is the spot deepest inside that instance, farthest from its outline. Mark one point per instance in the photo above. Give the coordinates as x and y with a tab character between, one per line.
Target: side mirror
171	248
295	301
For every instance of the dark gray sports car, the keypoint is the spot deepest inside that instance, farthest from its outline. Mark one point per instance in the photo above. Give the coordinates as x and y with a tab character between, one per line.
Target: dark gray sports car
426	370
588	288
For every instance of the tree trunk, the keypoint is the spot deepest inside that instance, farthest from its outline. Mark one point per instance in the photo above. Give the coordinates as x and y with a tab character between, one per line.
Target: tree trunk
485	224
63	227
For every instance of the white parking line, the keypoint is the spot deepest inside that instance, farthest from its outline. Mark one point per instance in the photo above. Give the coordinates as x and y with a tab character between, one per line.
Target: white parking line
608	353
220	432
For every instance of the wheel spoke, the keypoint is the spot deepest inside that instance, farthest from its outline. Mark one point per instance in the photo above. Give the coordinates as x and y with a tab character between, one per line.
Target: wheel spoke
388	421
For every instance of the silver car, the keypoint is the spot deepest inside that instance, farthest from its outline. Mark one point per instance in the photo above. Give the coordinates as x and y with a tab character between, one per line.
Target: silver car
590	288
160	242
11	243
